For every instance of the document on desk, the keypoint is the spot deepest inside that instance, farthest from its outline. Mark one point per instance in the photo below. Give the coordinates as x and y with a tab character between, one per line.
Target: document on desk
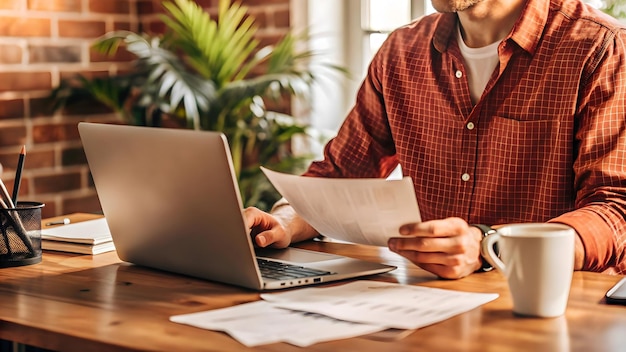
260	323
307	316
365	211
386	304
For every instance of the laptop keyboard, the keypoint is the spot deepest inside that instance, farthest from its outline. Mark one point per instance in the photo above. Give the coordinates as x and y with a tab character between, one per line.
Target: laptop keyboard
281	271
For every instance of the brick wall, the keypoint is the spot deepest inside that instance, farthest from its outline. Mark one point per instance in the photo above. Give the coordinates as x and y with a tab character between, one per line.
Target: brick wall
44	41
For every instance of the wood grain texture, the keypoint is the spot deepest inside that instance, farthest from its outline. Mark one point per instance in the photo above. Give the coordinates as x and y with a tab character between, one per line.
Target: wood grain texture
98	303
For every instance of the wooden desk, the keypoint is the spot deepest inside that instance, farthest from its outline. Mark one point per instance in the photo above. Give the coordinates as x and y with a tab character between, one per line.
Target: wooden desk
94	303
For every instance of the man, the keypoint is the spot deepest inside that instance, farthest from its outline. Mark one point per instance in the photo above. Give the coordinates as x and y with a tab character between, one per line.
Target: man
501	111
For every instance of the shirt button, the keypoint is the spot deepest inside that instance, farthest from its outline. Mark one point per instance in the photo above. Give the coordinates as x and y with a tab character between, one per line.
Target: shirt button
458	74
470	126
465	177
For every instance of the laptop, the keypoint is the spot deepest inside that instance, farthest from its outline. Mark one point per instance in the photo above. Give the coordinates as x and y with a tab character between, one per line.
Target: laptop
171	200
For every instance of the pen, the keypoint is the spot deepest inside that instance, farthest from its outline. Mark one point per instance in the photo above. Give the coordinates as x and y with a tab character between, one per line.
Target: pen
63	221
18	174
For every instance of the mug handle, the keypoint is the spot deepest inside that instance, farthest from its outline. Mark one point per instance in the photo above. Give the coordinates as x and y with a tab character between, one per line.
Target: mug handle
487	251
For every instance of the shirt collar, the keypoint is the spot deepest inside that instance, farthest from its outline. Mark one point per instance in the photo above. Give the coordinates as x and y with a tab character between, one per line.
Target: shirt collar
529	27
526	31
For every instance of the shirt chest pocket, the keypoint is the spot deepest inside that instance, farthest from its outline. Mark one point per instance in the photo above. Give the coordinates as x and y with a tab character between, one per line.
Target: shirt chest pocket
526	141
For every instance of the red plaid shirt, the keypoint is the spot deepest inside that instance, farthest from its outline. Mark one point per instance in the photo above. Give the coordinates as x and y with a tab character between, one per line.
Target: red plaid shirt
546	141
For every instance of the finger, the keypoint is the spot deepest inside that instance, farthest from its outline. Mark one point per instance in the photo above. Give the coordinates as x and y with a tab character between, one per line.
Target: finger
426	244
264	228
445	266
449	245
255	218
421	258
275	237
447	272
435	228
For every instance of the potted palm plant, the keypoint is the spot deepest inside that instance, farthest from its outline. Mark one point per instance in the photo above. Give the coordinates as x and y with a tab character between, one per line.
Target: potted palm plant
210	74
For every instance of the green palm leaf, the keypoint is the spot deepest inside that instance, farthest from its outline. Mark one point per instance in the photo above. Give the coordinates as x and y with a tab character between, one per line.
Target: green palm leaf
165	70
223	47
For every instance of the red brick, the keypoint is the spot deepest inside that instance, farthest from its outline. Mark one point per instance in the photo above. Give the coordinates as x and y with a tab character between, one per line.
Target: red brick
55	133
50	208
154	26
121	26
15	153
122	55
9	158
146	7
46	53
8	161
54	183
10	4
24	27
281	19
82	204
39	159
24	81
11	109
260	19
24	187
10	54
12	136
73	156
81	29
109	6
55	5
87	74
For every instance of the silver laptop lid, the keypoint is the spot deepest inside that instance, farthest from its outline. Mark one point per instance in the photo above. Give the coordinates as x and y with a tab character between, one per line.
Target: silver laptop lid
143	175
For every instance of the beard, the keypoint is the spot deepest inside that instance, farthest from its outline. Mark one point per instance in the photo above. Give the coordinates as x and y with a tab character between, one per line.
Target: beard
453	5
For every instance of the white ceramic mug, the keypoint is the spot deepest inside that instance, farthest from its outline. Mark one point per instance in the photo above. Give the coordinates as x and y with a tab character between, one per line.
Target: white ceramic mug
538	261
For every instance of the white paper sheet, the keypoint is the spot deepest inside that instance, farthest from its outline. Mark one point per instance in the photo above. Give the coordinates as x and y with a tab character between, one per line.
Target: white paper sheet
307	316
366	211
260	323
386	304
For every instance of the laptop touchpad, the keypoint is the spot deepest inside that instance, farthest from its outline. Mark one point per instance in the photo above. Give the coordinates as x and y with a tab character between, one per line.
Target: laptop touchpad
295	255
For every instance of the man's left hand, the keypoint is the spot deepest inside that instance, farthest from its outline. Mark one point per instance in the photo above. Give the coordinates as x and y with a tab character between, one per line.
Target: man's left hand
449	248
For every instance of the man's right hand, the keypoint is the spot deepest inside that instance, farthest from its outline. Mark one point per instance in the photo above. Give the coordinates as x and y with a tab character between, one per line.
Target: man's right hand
266	229
278	229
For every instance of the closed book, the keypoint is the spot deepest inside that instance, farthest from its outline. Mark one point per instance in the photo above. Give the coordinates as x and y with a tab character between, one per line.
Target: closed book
90	232
54	245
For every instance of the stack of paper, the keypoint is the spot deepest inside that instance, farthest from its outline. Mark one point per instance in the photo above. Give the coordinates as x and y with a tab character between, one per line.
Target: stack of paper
307	316
86	237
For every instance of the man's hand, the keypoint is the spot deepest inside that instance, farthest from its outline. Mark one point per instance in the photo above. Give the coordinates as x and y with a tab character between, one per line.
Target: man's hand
449	248
265	229
278	229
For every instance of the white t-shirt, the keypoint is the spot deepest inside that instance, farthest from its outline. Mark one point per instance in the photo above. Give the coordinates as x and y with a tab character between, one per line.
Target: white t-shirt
479	63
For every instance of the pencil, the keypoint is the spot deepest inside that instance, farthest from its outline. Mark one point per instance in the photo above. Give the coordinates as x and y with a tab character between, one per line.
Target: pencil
5	195
18	175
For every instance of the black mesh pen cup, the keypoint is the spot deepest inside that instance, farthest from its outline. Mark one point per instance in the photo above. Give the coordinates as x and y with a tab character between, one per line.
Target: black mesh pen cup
20	232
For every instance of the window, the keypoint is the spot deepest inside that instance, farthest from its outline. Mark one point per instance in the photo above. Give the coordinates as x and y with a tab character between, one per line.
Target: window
348	33
381	17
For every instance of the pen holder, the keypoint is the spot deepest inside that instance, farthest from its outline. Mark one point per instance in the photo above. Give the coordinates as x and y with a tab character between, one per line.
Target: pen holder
20	234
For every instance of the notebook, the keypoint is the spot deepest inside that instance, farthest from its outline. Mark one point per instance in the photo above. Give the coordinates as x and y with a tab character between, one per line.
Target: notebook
171	201
85	237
